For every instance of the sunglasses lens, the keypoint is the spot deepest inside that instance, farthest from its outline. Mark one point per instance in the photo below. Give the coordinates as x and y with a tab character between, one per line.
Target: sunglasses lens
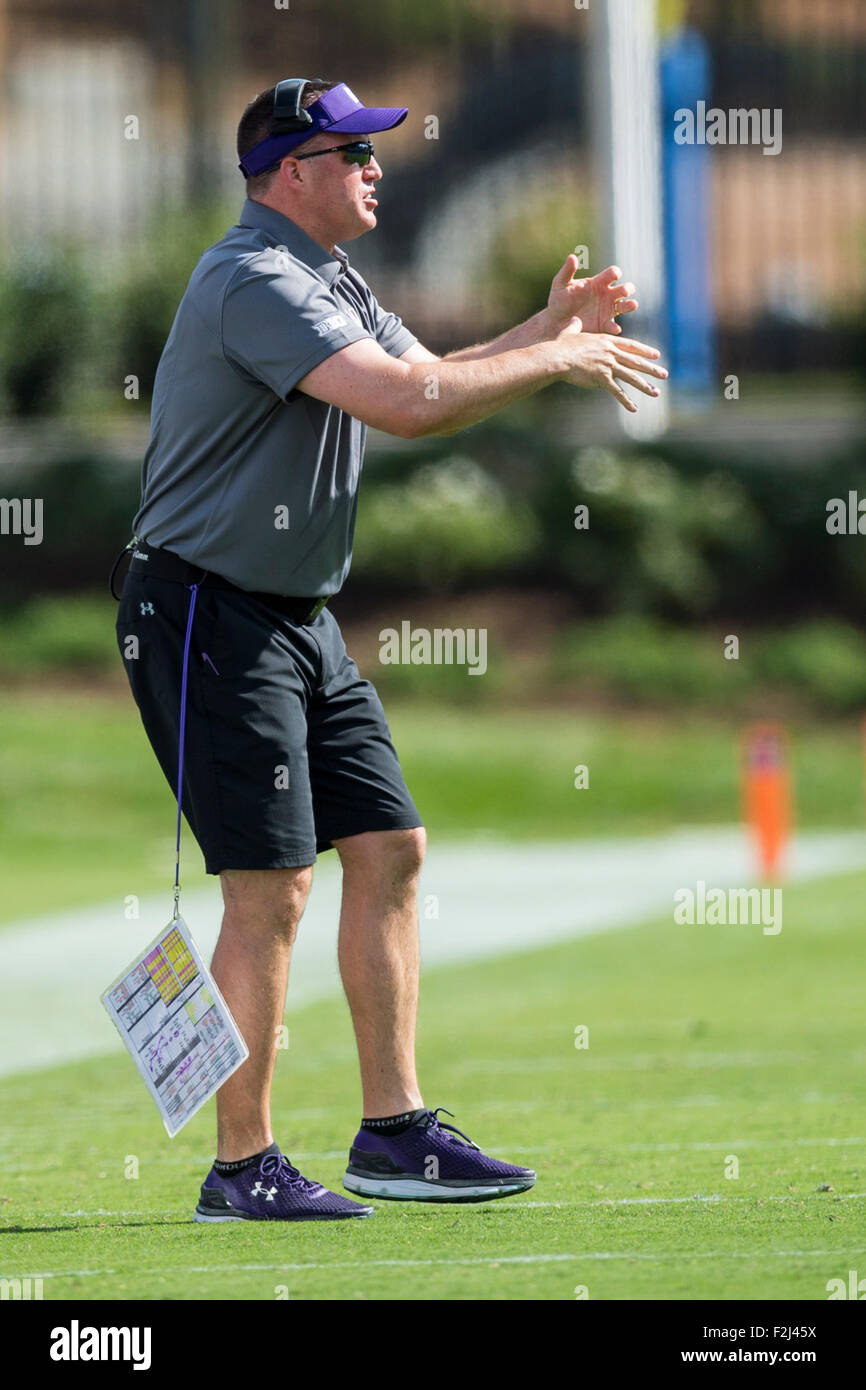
359	153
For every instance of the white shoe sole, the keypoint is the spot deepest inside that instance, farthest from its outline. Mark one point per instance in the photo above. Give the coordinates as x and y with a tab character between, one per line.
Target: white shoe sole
199	1217
420	1190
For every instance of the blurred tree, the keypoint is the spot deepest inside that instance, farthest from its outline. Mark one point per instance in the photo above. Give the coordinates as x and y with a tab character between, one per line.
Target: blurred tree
531	246
143	304
43	311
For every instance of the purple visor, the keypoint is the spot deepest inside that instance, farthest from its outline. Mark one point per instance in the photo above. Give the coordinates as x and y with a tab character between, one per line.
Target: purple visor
338	111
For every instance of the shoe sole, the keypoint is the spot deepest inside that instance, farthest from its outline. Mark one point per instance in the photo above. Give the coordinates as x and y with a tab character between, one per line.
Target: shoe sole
420	1190
211	1217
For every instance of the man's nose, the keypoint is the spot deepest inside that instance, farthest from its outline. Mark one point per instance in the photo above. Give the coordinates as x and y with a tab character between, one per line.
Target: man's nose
373	170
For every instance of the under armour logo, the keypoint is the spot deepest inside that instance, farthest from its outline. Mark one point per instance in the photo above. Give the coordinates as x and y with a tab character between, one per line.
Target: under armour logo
146	608
267	1193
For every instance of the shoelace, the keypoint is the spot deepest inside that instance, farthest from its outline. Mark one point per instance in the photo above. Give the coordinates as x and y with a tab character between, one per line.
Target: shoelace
433	1119
278	1168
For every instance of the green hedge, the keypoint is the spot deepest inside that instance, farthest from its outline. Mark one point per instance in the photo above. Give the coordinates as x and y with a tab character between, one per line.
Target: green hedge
45	302
814	667
677	533
447	526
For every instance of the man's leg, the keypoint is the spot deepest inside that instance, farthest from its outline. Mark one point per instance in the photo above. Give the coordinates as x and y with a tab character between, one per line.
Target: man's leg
412	1159
251	966
379	962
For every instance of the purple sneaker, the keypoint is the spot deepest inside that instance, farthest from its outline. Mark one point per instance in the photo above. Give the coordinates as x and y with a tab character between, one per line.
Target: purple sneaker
429	1162
271	1190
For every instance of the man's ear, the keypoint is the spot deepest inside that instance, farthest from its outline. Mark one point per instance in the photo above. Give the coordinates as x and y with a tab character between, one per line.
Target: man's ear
294	171
291	171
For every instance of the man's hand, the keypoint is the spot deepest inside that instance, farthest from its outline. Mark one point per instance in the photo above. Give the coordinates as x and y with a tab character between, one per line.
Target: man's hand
594	301
592	361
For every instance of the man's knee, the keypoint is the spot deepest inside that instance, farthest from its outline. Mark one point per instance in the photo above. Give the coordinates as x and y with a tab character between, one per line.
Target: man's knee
394	854
407	849
267	897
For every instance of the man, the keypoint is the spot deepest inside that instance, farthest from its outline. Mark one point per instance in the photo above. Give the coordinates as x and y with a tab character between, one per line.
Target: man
278	360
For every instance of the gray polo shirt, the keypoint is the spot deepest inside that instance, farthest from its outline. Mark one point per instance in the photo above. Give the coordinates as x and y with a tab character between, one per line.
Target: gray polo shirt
244	475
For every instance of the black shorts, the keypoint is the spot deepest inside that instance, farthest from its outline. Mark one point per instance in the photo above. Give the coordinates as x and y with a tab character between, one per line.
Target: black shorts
286	747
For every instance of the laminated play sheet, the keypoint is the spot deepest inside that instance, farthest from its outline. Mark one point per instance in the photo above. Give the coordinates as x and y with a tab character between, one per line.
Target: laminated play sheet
176	1024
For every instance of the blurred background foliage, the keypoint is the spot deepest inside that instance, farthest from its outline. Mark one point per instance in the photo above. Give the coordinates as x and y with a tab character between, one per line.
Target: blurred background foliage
718	526
683	532
684	546
46	297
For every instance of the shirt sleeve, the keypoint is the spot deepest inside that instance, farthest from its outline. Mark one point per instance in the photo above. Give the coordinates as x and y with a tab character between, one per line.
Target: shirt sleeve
391	333
279	321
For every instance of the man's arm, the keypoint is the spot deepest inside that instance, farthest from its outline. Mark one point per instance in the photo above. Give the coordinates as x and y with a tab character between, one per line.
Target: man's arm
524	335
537	329
407	399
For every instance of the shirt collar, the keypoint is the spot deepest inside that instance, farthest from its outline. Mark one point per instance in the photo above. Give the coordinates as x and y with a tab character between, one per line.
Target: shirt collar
285	232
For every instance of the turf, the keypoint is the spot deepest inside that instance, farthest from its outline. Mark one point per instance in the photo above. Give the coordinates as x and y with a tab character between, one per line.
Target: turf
705	1044
98	819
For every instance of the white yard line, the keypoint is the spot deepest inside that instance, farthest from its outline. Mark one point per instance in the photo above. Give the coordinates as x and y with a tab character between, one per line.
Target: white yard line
683	1256
648	1061
500	1207
477	899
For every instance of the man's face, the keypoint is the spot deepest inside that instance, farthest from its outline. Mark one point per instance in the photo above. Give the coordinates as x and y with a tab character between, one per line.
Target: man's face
339	195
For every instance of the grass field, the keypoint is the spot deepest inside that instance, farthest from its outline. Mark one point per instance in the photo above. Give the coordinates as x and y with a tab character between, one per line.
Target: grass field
95	819
705	1044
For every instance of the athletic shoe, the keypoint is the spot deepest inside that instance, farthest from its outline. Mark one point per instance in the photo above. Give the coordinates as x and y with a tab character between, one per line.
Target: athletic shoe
271	1190
429	1162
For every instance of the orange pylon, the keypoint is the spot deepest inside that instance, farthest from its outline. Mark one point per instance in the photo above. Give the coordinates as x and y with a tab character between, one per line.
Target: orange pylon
767	794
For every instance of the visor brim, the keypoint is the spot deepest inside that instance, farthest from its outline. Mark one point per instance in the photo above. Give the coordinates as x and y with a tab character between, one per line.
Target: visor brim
368	119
